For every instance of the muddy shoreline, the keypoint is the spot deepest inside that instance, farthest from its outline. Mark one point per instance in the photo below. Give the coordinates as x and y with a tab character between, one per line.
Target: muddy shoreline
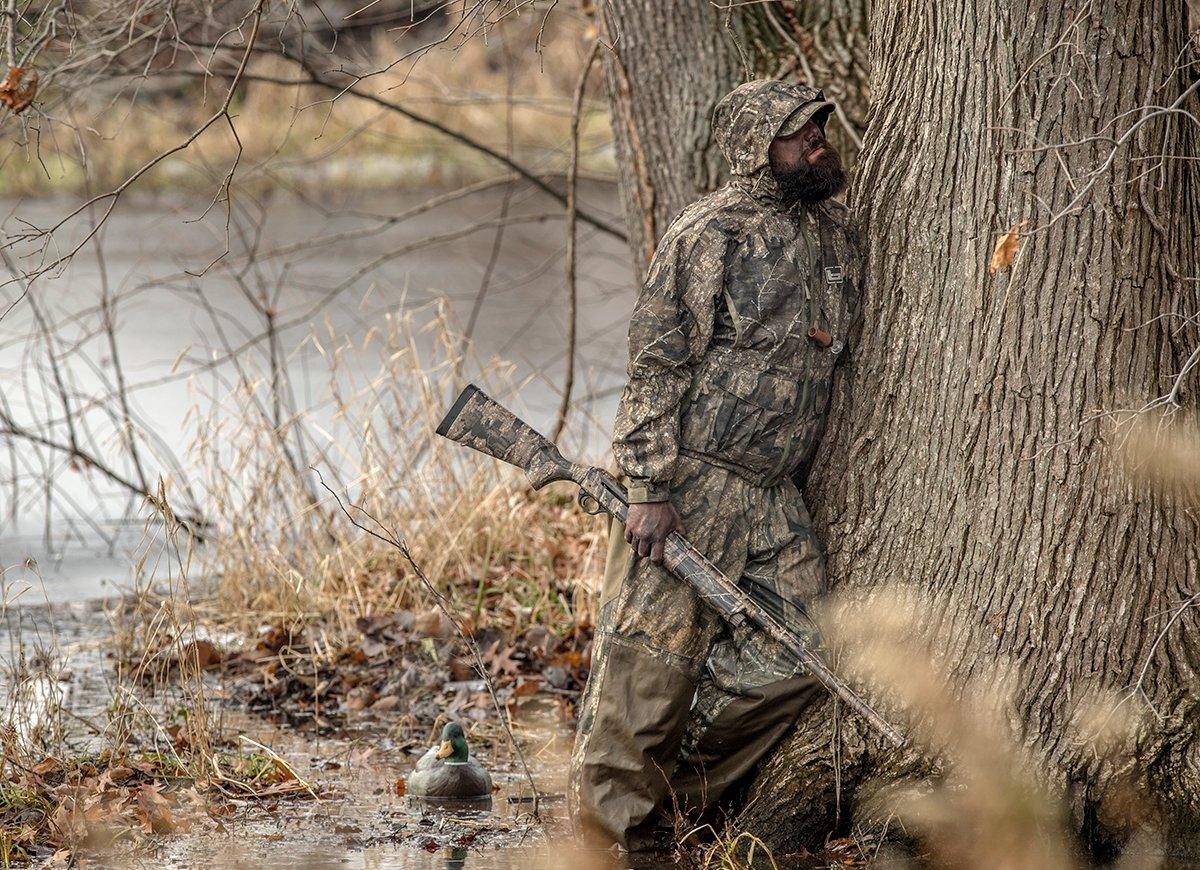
355	757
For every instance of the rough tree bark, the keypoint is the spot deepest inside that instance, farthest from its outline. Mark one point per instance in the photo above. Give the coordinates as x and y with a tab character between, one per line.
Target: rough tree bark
666	63
969	450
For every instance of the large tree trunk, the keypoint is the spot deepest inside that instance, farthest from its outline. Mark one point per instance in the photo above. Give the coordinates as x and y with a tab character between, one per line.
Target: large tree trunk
970	445
971	448
667	64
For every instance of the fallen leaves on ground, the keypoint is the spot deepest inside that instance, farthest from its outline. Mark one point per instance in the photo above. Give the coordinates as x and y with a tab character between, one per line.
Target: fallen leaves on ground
408	663
62	807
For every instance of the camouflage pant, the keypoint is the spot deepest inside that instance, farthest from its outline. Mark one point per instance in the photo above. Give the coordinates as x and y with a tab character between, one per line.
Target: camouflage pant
679	706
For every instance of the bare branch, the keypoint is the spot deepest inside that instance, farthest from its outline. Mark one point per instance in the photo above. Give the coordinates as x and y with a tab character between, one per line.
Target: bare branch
572	291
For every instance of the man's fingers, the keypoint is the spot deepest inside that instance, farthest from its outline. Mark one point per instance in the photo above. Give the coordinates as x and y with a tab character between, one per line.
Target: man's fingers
656	553
628	535
643	547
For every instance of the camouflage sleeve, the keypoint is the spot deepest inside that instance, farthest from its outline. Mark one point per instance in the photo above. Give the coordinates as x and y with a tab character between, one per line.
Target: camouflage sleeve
669	331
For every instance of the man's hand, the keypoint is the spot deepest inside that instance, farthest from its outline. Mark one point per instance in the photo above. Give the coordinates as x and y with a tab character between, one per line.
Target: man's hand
648	526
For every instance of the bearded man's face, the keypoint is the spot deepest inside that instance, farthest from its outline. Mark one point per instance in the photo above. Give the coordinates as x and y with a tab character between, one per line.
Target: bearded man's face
806	166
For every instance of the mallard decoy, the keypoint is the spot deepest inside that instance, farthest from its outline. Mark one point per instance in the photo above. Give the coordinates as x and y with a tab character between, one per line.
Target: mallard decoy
447	772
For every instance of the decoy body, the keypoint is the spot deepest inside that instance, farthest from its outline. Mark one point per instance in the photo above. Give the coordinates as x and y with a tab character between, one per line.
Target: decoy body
447	772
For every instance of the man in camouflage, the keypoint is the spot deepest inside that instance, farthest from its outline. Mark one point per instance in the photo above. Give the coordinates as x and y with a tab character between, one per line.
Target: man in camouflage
733	344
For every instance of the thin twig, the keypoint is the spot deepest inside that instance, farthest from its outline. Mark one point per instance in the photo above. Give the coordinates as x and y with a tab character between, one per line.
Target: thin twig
1149	114
10	33
113	196
498	239
353	90
572	290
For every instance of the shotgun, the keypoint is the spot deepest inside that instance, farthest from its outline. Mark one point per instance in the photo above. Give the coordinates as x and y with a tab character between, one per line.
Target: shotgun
479	422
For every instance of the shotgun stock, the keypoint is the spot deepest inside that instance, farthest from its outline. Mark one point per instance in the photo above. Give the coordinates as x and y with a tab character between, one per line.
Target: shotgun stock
479	422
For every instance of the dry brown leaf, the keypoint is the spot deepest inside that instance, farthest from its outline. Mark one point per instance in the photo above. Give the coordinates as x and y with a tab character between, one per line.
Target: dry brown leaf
154	811
66	822
201	653
526	687
400	787
1006	248
360	697
179	736
432	623
284	772
12	94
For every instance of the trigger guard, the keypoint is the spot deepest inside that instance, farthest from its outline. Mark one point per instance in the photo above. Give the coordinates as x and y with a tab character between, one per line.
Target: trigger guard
588	503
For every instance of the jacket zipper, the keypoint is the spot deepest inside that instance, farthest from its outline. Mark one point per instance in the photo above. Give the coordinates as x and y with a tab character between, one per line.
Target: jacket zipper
809	292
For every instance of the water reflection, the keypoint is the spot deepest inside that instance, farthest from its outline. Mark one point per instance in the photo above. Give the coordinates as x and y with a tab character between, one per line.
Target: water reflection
166	331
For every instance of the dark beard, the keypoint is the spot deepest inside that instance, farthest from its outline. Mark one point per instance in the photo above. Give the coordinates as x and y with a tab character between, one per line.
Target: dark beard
811	183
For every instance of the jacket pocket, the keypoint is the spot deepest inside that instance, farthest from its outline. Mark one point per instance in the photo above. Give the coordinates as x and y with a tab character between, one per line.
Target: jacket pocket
752	414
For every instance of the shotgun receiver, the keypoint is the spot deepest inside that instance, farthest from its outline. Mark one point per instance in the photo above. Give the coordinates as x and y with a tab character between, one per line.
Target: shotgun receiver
478	422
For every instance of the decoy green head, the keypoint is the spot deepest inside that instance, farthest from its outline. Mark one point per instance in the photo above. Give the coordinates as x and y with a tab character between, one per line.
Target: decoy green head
454	744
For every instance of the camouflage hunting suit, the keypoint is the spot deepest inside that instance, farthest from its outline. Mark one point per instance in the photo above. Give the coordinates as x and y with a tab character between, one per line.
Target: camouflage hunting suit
733	344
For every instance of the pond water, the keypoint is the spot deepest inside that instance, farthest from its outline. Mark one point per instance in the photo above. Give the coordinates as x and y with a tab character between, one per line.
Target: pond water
344	270
359	821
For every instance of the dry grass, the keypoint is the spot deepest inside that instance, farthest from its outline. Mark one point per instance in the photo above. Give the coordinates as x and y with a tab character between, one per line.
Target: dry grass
1164	451
292	135
993	801
505	559
91	775
503	556
983	799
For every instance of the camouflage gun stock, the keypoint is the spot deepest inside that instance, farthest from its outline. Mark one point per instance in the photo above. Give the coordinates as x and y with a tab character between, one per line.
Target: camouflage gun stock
477	421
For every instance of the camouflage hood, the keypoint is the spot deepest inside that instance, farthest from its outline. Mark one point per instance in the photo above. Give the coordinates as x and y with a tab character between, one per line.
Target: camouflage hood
750	116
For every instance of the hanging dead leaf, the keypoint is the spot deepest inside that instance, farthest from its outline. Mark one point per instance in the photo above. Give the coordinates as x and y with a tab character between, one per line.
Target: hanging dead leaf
1006	248
400	787
13	95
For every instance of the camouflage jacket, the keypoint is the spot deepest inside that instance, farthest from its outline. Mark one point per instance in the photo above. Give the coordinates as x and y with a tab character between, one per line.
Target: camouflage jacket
742	318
